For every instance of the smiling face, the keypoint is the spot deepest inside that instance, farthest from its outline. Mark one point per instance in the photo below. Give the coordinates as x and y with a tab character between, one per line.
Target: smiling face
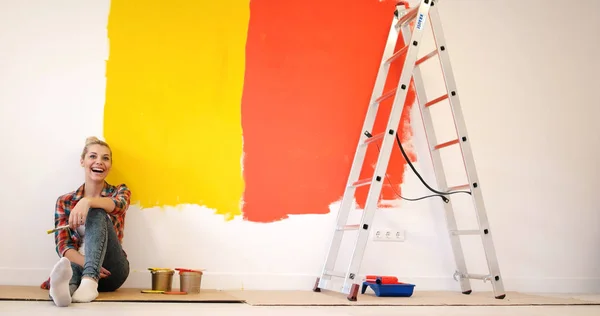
96	162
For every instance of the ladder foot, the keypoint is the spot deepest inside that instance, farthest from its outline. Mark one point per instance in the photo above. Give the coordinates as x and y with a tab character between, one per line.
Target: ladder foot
501	297
467	292
316	287
353	295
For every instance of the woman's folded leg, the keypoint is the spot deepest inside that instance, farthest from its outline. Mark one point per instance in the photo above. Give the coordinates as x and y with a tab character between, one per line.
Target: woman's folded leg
102	250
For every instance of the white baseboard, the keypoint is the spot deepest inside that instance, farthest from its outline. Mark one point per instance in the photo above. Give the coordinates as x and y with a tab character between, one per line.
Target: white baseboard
234	281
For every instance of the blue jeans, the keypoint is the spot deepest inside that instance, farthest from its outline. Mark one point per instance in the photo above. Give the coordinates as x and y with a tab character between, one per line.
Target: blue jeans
102	249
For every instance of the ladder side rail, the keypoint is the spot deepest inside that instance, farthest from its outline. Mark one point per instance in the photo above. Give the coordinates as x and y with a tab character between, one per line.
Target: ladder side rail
475	186
359	156
440	176
386	147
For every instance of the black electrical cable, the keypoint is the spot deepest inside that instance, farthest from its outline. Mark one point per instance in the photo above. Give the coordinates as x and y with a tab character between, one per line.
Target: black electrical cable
439	193
412	199
445	199
419	176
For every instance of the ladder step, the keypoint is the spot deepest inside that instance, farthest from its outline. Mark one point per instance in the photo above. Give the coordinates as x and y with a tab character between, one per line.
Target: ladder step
459	187
335	274
373	138
426	57
397	54
466	232
386	95
349	227
362	182
436	100
446	144
410	15
485	277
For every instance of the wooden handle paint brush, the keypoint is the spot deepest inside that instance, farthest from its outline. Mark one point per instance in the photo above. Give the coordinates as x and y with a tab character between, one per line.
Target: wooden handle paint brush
56	229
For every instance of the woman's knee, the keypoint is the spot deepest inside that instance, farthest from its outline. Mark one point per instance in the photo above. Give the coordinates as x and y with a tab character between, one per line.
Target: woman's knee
96	212
96	215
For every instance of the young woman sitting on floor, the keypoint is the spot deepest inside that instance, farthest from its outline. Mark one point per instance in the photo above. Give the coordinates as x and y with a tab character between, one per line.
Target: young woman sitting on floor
91	257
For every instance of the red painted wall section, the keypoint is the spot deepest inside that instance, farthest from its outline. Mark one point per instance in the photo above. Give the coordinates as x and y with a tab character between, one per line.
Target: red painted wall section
310	69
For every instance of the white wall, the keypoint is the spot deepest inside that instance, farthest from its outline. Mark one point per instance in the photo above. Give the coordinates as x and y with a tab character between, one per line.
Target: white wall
528	85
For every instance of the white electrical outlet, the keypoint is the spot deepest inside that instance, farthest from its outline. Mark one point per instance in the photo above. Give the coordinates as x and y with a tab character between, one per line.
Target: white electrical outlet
389	235
399	235
378	235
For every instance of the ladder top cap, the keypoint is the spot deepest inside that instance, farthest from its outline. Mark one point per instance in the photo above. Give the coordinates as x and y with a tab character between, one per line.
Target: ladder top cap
403	3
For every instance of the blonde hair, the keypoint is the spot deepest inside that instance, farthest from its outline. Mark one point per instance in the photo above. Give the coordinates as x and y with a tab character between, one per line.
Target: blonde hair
93	140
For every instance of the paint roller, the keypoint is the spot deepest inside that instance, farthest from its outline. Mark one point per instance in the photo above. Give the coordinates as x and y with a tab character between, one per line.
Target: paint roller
382	279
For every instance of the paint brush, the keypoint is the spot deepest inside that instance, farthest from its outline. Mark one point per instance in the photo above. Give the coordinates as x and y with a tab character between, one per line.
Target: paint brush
56	229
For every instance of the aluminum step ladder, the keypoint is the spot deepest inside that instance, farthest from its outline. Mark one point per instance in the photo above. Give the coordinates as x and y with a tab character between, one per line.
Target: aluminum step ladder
404	17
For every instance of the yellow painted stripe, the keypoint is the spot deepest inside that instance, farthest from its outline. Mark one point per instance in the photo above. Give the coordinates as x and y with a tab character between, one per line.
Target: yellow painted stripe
173	97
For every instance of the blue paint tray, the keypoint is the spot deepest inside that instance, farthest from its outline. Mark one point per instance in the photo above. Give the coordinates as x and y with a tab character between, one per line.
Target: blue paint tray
389	290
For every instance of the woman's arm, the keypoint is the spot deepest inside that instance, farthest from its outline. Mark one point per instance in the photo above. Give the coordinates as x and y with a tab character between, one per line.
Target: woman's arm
79	259
105	203
74	257
62	237
113	204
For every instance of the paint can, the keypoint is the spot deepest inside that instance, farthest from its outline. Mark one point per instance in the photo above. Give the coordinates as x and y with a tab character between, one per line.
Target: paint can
162	279
190	281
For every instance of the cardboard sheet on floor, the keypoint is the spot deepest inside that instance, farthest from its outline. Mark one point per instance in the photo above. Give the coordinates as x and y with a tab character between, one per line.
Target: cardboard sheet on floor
32	293
308	298
419	298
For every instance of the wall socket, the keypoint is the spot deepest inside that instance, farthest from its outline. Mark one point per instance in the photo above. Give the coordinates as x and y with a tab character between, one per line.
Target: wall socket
389	235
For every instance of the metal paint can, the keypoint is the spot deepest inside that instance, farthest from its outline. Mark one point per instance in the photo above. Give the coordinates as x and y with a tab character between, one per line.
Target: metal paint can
190	281
162	279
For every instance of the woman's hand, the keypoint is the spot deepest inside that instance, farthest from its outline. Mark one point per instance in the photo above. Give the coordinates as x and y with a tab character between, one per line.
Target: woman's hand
79	213
104	273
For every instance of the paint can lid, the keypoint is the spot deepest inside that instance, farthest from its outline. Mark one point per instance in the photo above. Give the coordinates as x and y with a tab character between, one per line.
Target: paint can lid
152	292
181	270
154	270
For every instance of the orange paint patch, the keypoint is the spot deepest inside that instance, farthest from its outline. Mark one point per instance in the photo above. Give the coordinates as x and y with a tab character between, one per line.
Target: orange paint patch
310	70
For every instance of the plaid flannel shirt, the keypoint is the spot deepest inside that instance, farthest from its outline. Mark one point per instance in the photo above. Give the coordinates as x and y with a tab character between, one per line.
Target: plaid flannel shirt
67	238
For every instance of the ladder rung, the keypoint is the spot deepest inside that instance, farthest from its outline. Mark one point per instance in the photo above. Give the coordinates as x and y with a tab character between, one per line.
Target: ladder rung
459	187
349	227
446	144
362	182
386	95
426	57
335	274
478	276
374	138
436	100
466	232
409	16
397	54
